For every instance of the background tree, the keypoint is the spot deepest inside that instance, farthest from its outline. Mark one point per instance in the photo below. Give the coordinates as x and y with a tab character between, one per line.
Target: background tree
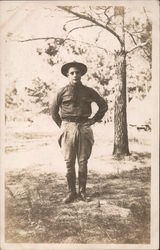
13	103
39	95
131	33
112	19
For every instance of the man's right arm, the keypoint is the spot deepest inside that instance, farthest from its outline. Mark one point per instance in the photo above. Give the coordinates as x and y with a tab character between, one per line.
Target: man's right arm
55	110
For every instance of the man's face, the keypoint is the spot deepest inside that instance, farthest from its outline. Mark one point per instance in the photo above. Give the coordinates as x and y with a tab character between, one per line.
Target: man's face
74	75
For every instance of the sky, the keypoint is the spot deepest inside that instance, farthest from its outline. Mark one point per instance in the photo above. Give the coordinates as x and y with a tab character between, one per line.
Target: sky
22	20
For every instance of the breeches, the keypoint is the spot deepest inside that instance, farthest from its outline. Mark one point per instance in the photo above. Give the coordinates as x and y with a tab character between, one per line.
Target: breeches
76	141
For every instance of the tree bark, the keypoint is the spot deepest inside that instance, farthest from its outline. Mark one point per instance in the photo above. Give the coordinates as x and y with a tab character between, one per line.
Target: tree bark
120	114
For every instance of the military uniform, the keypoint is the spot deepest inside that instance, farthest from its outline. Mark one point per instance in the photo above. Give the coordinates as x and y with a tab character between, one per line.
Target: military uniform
71	110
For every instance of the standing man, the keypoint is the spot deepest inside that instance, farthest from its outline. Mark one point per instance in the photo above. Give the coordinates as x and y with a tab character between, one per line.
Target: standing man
76	140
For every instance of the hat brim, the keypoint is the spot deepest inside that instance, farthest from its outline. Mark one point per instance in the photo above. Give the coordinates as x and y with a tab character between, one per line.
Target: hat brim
82	67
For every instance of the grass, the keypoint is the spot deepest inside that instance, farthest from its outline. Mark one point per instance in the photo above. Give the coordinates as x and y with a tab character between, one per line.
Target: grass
118	207
118	210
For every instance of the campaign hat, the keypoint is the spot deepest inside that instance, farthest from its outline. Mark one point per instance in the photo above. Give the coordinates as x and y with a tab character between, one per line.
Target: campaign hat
82	67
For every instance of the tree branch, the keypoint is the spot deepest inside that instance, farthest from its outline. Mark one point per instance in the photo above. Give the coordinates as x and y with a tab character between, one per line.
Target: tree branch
145	13
91	19
64	40
87	26
145	52
39	38
72	20
105	13
98	36
139	31
138	46
131	36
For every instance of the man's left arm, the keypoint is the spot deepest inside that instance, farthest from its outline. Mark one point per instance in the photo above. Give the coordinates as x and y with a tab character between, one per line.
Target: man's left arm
55	110
103	107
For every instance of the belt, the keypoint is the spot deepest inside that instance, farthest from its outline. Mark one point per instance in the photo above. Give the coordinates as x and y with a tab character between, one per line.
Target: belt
76	119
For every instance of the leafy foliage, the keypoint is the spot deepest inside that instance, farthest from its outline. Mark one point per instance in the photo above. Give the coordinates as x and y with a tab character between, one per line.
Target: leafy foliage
13	103
101	63
39	94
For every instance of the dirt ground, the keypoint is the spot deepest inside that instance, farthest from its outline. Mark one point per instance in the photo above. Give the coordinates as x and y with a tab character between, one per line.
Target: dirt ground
118	206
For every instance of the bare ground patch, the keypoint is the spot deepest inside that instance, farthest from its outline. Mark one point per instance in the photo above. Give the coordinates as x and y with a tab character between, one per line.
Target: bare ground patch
117	211
118	207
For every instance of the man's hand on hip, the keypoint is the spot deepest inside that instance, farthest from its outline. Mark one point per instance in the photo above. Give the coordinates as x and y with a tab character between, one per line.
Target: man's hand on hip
90	122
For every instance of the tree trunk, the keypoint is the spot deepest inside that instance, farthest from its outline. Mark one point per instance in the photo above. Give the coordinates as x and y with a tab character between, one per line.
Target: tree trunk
120	116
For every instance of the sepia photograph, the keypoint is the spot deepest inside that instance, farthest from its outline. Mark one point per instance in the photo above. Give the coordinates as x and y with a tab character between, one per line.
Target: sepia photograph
79	125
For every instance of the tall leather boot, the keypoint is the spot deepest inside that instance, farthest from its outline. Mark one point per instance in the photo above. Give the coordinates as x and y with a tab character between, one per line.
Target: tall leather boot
82	178
71	180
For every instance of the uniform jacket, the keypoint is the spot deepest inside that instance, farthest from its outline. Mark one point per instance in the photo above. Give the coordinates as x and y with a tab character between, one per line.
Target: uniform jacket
75	101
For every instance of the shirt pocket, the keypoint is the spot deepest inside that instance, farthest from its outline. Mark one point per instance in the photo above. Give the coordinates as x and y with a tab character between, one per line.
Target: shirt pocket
67	99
